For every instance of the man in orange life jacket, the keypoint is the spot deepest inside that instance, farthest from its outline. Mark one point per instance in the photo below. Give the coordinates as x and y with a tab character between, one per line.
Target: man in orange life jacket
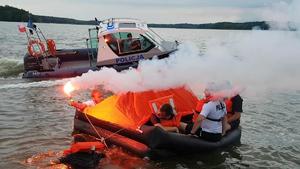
166	119
96	98
234	106
210	123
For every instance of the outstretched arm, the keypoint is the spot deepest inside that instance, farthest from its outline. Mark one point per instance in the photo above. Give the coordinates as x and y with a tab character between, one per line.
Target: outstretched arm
225	125
197	124
78	105
235	116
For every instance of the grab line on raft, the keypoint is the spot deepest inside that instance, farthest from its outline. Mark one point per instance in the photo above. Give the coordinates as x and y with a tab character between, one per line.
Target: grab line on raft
114	133
102	139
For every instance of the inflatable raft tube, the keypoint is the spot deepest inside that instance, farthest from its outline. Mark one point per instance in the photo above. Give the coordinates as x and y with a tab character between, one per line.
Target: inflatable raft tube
150	140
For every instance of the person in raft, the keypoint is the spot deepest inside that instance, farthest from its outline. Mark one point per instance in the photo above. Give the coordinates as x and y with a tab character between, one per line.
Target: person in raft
211	121
234	106
96	98
166	119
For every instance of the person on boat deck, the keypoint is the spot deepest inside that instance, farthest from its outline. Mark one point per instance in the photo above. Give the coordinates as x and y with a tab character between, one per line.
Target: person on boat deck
96	98
234	106
210	123
166	119
127	43
130	44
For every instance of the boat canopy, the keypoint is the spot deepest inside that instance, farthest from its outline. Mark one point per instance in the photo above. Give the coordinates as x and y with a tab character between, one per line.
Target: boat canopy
131	110
123	41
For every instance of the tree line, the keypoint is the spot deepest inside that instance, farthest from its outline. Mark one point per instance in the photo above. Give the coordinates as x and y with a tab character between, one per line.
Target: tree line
12	14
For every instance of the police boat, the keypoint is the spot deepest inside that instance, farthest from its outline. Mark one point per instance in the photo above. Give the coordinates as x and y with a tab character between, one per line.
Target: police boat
123	120
118	43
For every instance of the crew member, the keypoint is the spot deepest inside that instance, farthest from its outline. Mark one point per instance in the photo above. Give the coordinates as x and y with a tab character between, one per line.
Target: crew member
234	107
127	43
199	107
96	98
210	123
130	44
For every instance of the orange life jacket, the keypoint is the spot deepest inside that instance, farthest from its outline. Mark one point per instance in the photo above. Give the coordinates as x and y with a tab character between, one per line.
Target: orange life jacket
174	122
84	147
199	108
228	103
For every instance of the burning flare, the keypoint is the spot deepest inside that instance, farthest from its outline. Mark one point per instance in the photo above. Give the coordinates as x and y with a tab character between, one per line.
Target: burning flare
69	88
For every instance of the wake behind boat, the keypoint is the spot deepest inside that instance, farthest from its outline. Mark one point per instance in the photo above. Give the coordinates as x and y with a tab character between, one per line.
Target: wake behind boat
117	43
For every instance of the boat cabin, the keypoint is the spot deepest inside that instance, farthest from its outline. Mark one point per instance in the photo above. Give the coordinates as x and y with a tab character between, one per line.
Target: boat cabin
122	41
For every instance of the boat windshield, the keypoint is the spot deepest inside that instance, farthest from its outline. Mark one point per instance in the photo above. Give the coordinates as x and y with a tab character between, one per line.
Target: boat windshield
123	43
154	37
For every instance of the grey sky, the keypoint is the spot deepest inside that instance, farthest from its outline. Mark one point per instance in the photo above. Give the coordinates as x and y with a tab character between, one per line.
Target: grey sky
156	11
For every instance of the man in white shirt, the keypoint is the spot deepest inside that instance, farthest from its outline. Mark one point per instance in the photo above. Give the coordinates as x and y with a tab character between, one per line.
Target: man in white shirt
212	119
96	98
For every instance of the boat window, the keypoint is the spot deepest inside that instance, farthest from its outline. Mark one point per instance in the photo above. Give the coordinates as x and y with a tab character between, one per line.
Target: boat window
112	42
123	43
127	25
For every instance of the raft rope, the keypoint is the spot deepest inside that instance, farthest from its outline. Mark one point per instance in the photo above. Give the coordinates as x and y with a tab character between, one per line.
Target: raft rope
102	139
114	133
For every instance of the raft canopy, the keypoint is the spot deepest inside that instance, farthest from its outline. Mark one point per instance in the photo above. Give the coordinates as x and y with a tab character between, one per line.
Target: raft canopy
131	110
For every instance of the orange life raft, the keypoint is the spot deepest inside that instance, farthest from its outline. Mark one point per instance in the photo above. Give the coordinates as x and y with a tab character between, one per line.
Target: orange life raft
122	120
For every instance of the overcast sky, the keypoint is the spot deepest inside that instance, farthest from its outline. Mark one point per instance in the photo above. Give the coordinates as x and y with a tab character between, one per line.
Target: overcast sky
156	11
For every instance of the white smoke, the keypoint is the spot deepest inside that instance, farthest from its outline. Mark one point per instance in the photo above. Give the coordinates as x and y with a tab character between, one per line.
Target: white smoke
259	60
256	60
283	15
151	74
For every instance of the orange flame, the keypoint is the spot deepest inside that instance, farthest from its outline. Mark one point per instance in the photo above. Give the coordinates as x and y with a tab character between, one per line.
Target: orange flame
69	88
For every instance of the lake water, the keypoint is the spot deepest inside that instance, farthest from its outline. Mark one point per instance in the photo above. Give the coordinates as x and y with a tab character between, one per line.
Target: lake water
36	122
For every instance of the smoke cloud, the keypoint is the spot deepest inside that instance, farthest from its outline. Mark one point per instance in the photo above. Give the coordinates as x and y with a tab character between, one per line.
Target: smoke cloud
283	15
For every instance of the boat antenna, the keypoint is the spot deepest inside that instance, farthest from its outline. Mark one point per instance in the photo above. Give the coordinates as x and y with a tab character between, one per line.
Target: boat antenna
42	34
35	28
97	22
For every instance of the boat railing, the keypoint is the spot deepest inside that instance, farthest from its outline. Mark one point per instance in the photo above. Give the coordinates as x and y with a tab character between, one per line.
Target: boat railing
92	44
